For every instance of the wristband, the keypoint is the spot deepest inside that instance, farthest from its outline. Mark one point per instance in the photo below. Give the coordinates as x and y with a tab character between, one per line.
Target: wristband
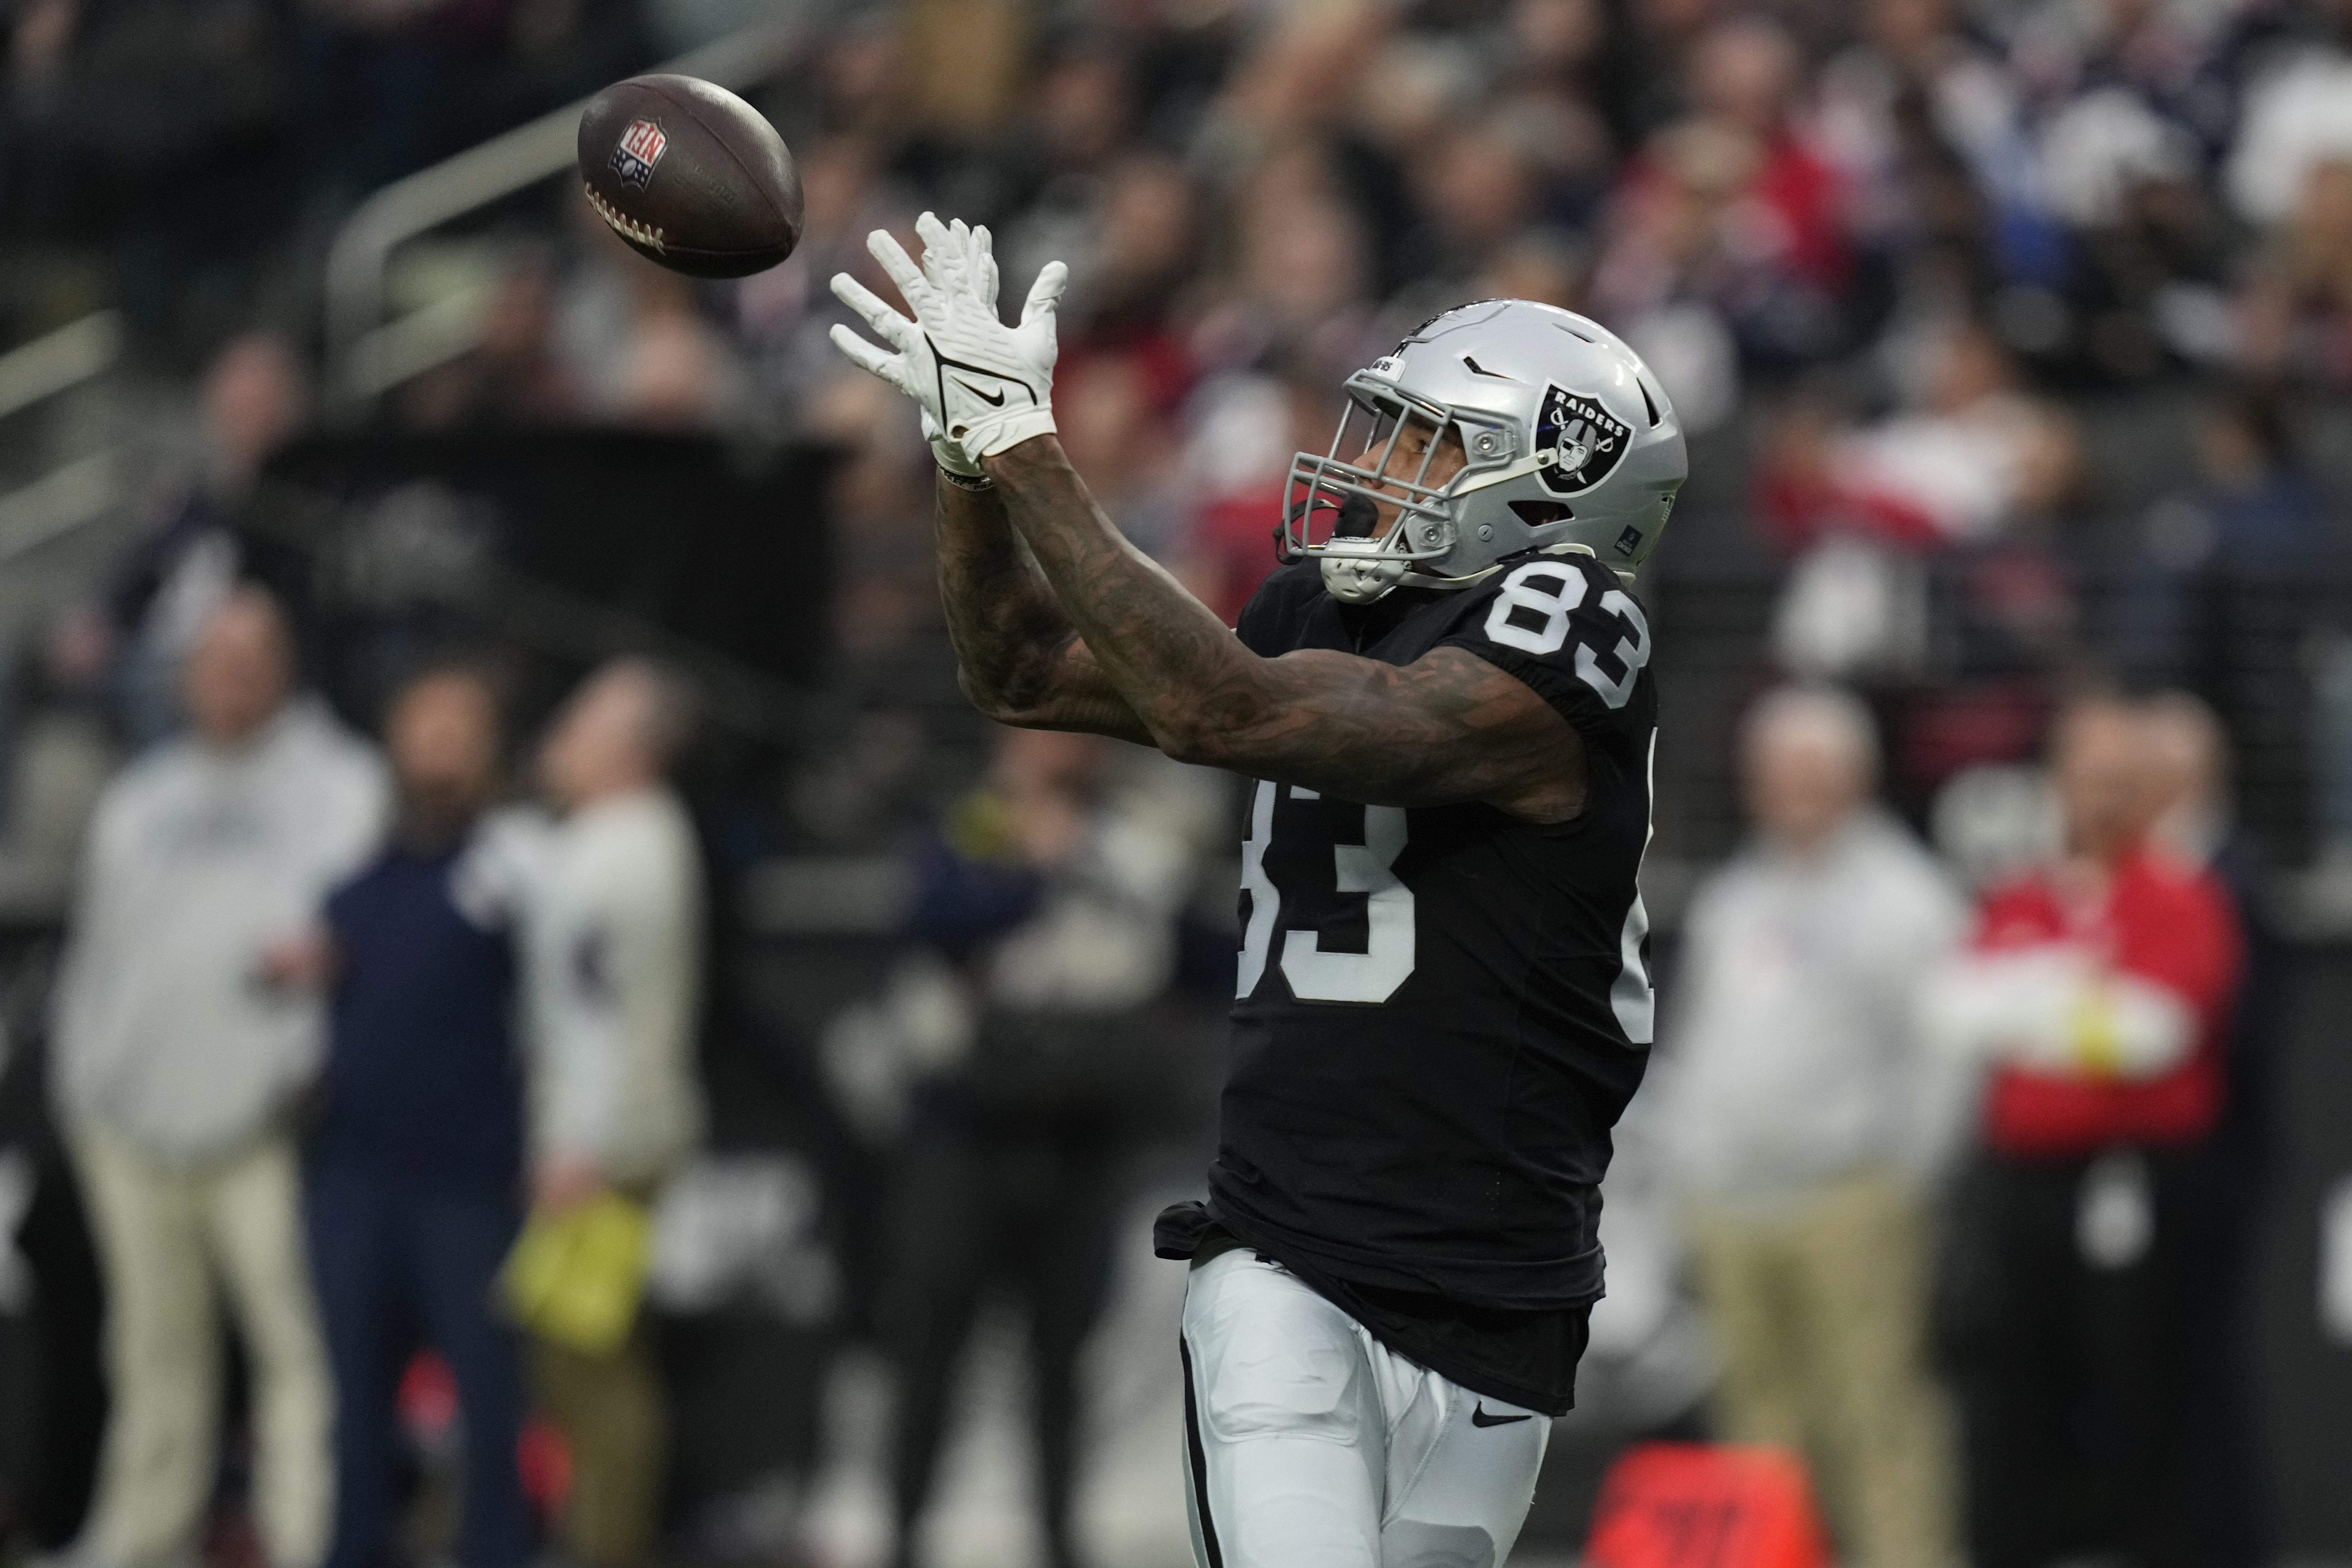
975	483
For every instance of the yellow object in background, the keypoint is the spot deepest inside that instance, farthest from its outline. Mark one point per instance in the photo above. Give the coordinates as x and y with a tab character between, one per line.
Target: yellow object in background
576	1276
2095	1032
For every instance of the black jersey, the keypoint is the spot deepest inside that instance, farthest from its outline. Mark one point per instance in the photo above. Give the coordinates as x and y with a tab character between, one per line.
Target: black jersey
1443	1010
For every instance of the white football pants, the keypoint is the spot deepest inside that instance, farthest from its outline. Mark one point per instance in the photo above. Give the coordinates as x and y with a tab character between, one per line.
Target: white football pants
1311	1445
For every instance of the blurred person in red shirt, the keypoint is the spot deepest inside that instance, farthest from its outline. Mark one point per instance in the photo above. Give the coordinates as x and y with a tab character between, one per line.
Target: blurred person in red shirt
2097	990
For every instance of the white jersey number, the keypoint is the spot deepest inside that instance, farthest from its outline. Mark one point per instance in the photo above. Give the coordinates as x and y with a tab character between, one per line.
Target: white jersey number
1366	869
1545	593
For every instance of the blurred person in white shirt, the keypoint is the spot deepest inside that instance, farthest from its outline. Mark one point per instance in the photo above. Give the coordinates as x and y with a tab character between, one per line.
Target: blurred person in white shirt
613	983
1803	1120
182	1037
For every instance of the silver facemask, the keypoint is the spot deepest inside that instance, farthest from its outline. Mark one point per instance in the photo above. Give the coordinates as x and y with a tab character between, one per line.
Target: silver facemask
1565	440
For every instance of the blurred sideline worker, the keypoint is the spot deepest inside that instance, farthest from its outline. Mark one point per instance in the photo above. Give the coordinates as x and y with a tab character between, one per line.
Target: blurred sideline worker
2099	989
2192	770
1058	896
613	980
415	1170
1802	1113
183	1039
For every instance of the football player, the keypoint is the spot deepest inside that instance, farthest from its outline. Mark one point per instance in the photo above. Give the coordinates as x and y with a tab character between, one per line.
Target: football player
1444	1001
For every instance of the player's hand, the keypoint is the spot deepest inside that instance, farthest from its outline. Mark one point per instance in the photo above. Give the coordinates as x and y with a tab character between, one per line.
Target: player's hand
947	264
986	386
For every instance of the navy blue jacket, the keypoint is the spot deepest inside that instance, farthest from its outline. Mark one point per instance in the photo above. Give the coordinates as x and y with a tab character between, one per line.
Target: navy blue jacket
422	1076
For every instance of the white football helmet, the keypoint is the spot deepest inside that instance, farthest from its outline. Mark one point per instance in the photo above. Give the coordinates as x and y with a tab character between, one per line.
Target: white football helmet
1569	445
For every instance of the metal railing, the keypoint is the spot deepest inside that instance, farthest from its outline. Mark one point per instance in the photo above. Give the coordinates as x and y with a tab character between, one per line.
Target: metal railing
59	361
365	355
60	502
84	488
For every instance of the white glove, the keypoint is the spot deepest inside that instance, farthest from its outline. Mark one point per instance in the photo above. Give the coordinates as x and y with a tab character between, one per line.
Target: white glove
949	457
986	386
2052	1010
948	263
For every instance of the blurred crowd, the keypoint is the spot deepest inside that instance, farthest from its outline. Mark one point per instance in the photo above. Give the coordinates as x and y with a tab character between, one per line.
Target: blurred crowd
2008	329
1968	1191
2015	342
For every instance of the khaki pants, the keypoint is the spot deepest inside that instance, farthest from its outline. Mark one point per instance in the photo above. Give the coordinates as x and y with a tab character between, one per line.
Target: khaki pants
613	1414
1821	1310
168	1234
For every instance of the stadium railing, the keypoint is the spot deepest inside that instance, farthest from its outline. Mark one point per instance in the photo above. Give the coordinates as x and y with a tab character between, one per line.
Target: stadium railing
366	355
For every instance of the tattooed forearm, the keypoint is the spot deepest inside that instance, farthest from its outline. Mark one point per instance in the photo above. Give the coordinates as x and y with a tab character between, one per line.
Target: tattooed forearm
1448	728
1018	659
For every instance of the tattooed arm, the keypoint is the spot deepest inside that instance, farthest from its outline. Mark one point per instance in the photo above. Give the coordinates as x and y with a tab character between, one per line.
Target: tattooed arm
1449	727
1018	657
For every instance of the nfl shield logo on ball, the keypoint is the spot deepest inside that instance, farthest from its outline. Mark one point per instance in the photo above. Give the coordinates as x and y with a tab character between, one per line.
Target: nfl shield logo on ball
639	149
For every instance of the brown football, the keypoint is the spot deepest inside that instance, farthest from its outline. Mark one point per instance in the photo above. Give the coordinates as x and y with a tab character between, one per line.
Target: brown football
690	175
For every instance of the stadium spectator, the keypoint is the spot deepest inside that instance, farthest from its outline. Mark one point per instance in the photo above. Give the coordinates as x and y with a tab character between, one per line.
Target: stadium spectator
255	396
632	338
415	1166
1927	126
183	1044
1971	455
1731	206
1139	260
1056	894
513	377
1236	471
154	131
613	984
2295	311
2230	585
1122	436
2294	115
2098	989
1805	1120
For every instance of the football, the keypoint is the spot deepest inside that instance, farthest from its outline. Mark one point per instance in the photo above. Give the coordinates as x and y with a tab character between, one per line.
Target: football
690	175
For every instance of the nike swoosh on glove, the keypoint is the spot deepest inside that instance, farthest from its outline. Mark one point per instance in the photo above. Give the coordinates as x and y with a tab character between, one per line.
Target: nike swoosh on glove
957	261
988	386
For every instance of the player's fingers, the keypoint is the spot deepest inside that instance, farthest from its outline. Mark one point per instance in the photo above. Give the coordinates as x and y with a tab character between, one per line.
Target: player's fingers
938	241
888	325
1046	294
868	358
957	254
860	353
983	255
899	266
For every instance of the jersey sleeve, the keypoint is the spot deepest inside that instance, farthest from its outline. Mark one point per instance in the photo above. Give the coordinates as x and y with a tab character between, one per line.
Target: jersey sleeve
1566	627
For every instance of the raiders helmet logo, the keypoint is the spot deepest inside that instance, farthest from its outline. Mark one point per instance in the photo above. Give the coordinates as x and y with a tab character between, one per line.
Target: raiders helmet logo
1585	440
640	148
